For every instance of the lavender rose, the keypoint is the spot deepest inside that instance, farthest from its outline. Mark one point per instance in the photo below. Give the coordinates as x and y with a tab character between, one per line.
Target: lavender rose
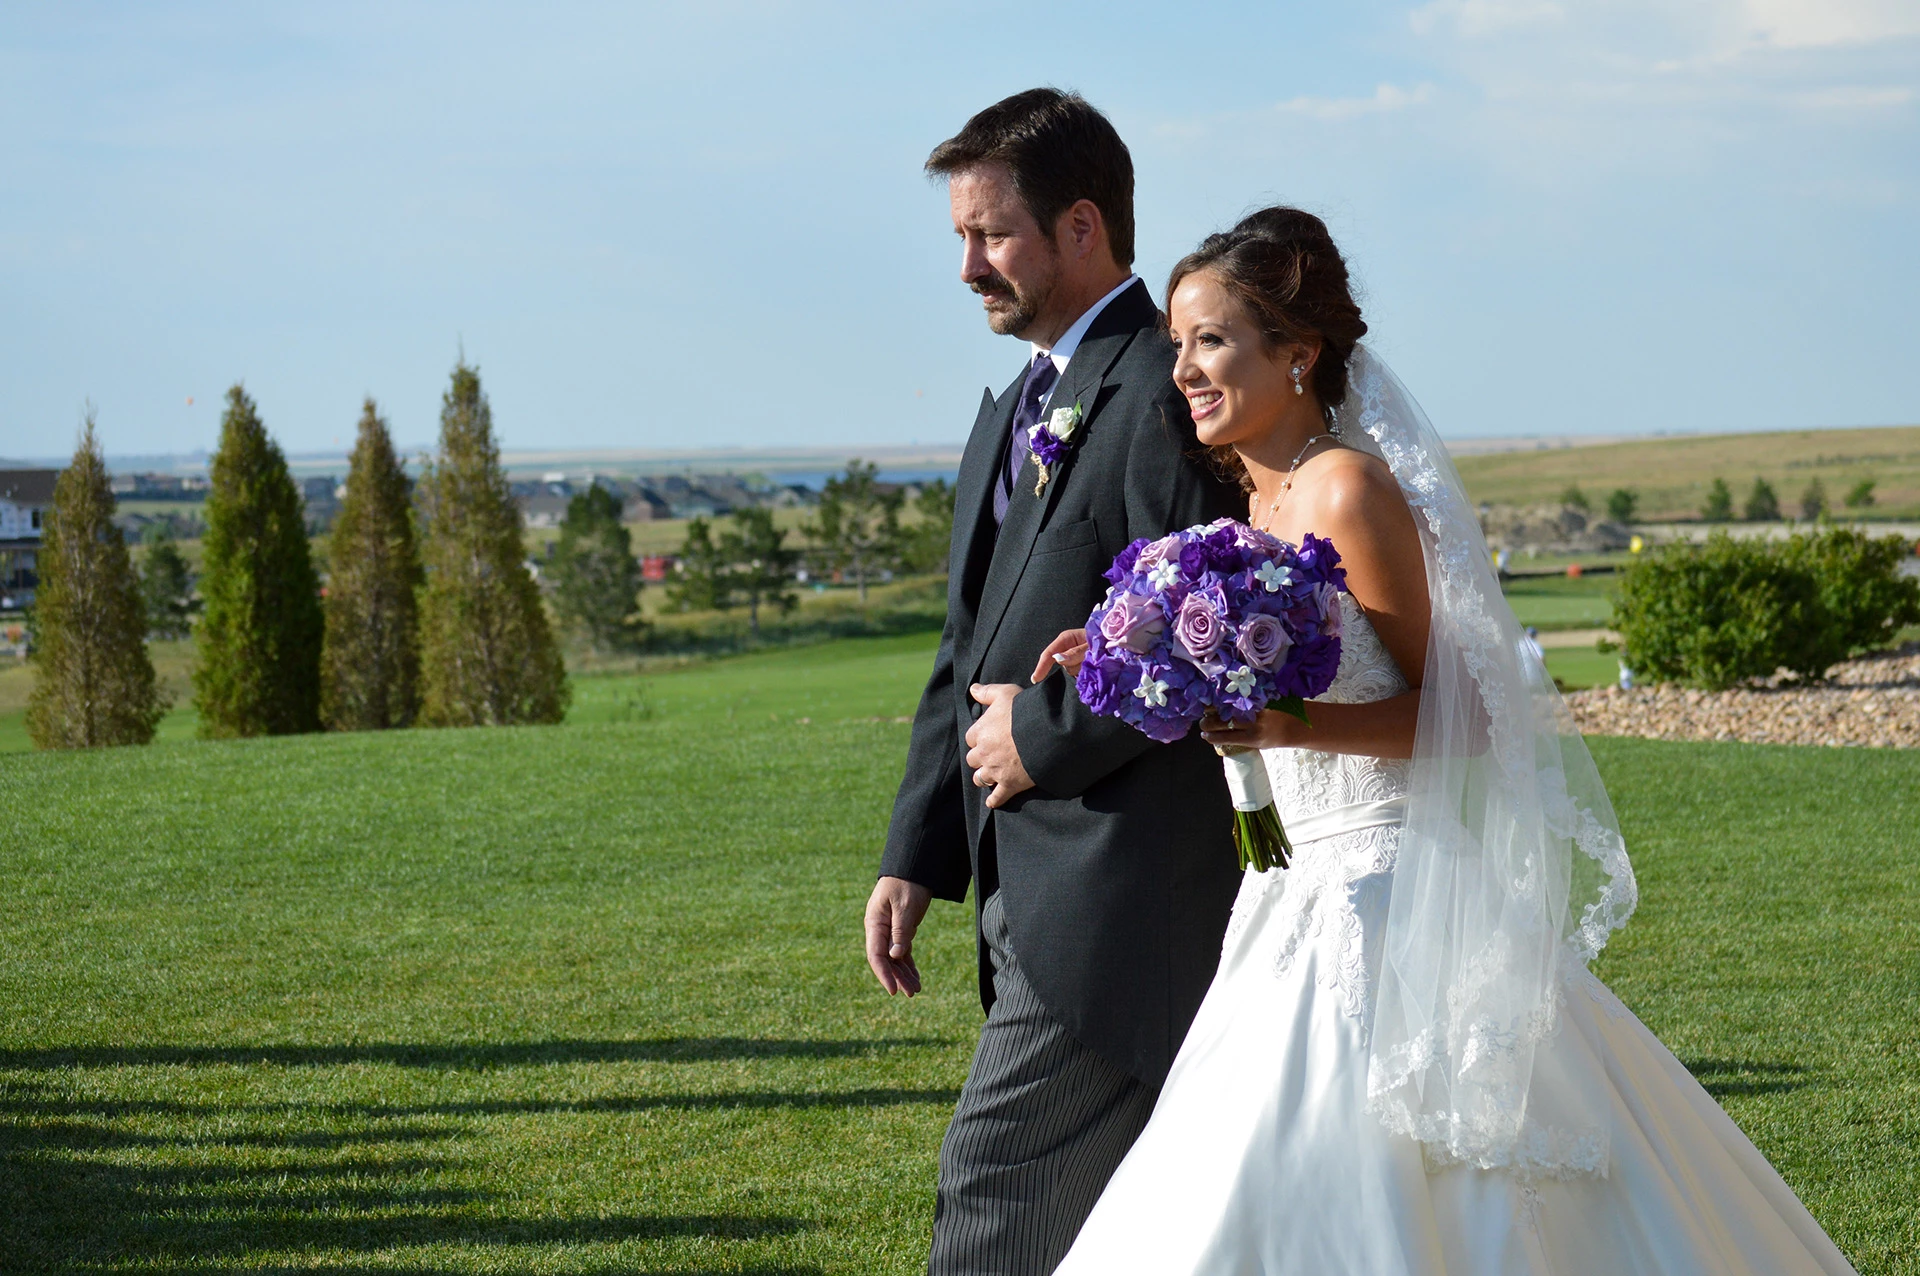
1201	626
1133	622
1263	640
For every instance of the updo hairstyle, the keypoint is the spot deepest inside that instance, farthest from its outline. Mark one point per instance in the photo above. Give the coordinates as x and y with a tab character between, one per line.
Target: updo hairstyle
1282	265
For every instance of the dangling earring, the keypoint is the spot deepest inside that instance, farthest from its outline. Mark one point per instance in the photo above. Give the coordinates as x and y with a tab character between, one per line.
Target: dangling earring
1297	388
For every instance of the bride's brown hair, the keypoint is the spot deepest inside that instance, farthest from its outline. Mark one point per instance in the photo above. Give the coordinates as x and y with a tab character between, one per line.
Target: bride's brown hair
1282	265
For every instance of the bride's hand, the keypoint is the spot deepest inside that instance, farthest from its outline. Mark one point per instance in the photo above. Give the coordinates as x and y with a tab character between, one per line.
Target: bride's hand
1066	652
1271	730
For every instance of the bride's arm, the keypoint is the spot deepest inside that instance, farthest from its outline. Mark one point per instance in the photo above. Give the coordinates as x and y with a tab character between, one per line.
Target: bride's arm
1356	504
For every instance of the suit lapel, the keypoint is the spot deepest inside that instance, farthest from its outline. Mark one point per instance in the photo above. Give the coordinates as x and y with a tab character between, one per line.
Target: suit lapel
1109	336
973	486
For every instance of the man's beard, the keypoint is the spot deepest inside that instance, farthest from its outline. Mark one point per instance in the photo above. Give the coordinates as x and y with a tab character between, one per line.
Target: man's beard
1015	316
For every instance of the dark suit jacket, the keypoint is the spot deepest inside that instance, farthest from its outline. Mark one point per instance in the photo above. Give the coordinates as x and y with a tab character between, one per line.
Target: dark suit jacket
1117	869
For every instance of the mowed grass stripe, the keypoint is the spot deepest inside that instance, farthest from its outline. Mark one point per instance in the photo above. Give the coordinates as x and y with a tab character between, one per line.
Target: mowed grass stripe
590	998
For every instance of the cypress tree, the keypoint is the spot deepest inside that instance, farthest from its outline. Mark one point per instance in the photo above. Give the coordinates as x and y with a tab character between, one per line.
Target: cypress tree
261	632
370	666
488	657
93	683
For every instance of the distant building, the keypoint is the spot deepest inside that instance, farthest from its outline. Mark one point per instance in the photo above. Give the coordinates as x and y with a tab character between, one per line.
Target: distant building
25	498
644	507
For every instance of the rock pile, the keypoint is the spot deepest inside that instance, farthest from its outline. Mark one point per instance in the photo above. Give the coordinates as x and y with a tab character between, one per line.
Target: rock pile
1558	529
1874	700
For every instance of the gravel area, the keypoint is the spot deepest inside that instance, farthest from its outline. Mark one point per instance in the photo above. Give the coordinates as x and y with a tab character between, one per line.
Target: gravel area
1871	701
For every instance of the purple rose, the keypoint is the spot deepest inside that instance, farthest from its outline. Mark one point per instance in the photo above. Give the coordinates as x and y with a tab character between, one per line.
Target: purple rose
1263	641
1133	622
1327	598
1201	626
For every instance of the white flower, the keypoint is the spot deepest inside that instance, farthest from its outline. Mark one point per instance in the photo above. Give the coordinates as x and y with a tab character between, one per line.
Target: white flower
1064	422
1240	681
1152	691
1274	576
1164	575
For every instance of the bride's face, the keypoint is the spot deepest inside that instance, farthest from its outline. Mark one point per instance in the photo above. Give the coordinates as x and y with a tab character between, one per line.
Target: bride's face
1236	388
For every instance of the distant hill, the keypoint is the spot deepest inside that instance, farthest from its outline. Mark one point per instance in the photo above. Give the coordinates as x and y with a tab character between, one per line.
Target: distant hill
1672	474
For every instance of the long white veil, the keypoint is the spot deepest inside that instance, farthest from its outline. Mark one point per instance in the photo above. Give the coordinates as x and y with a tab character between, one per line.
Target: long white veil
1511	873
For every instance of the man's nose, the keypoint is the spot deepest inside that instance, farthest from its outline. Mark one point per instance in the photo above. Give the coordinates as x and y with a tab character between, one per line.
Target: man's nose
973	263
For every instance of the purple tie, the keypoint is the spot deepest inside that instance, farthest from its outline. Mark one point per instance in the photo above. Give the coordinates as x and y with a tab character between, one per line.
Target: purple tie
1041	374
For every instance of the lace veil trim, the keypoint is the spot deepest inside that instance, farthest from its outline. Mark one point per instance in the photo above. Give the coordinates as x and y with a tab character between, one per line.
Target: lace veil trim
1511	873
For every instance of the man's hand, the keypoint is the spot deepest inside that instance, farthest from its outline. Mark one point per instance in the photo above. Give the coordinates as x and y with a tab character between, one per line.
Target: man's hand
894	911
991	752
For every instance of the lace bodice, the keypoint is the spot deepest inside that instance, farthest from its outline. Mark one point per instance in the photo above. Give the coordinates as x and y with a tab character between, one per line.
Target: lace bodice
1336	889
1306	781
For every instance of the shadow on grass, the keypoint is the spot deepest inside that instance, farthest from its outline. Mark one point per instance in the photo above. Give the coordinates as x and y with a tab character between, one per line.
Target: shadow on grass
1723	1078
473	1057
65	1208
45	1109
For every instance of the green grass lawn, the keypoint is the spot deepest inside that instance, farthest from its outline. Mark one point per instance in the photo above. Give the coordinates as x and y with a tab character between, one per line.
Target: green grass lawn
1561	602
591	998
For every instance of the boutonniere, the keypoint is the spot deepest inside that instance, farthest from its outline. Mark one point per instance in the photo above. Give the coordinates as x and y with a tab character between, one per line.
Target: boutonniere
1051	439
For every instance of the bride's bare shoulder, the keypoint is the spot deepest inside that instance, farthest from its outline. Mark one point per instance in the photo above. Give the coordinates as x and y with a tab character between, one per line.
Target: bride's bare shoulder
1346	484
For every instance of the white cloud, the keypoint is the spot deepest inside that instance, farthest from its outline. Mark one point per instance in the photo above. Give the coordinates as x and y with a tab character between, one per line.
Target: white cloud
1854	97
1816	24
1484	17
1385	98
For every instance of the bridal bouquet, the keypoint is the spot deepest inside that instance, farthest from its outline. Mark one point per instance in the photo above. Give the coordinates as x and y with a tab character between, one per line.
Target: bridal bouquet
1218	619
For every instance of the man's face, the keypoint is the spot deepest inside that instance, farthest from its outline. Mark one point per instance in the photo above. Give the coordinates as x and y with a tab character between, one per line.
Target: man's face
1006	257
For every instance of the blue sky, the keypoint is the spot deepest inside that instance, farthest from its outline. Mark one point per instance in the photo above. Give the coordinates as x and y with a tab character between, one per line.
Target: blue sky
696	225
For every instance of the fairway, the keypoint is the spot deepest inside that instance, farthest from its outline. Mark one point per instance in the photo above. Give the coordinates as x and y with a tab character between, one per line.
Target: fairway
591	999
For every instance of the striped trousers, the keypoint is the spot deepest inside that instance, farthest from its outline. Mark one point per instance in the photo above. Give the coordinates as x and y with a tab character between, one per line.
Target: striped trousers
1041	1126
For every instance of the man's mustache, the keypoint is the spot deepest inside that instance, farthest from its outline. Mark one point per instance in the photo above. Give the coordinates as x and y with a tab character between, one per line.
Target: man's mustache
995	282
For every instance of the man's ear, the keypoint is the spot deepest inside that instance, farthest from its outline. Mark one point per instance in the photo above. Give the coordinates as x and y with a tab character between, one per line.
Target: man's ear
1081	231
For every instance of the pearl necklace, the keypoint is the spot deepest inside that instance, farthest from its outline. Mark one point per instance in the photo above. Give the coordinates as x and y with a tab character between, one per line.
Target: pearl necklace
1286	483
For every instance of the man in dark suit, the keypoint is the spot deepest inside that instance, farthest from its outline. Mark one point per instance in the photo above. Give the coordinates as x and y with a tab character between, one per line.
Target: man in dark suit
1103	863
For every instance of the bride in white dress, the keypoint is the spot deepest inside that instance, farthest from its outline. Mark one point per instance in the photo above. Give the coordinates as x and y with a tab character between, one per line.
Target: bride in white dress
1404	1064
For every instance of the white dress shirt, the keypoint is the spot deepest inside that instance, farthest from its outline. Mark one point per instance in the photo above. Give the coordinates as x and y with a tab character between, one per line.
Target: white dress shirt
1062	351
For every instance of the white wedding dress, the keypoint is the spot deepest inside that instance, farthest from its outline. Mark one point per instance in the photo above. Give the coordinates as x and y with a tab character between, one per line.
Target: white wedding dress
1262	1158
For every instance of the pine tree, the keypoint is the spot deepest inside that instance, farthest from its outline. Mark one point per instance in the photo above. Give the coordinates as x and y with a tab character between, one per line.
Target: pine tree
1719	506
261	631
488	657
596	578
925	546
857	529
700	580
759	566
1813	501
370	666
166	584
93	683
1763	503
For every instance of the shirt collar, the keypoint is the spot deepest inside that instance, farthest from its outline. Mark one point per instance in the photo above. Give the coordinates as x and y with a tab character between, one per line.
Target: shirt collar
1069	341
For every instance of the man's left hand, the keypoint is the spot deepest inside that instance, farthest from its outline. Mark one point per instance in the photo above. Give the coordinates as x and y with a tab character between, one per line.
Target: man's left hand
991	752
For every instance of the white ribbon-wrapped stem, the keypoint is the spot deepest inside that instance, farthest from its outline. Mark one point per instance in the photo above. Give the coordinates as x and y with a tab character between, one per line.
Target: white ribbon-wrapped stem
1247	779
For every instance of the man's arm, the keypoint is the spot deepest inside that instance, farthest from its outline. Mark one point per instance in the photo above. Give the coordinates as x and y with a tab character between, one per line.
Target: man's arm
927	837
1064	746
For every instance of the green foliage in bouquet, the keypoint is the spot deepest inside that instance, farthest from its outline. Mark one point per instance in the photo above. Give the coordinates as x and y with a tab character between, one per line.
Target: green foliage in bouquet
93	683
487	653
370	670
260	638
1731	610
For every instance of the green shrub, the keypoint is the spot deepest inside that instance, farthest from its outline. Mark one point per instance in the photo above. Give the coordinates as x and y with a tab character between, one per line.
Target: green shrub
1731	610
1763	503
1866	598
1623	503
